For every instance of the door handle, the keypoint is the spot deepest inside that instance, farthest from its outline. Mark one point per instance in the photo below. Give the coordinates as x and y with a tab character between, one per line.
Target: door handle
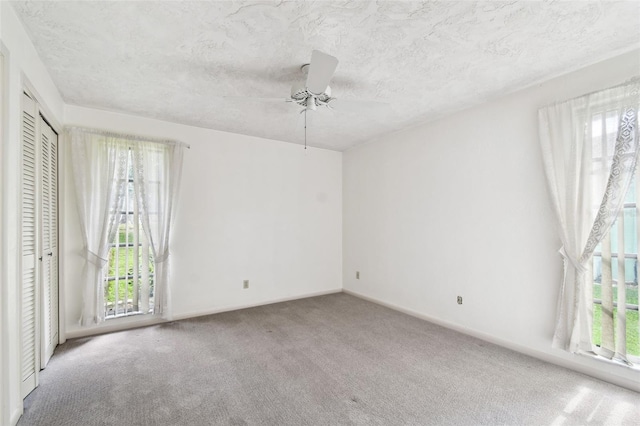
50	254
40	258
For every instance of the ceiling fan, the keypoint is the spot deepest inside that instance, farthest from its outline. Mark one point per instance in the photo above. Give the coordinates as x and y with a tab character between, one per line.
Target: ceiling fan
316	91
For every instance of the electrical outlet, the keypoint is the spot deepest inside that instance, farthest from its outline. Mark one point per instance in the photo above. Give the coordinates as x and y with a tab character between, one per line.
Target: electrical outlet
459	300
357	275
245	284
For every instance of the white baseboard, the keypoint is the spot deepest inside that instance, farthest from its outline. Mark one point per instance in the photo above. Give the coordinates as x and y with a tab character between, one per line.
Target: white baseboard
118	324
228	308
127	323
544	356
15	416
562	362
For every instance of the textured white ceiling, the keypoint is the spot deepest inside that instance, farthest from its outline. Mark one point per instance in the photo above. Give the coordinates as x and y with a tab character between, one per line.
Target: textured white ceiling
177	61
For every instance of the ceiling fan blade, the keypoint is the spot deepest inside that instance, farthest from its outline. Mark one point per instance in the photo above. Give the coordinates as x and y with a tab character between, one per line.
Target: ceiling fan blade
368	106
252	99
320	72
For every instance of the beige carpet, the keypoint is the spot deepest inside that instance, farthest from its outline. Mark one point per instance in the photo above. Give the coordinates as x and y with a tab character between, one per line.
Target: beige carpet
330	360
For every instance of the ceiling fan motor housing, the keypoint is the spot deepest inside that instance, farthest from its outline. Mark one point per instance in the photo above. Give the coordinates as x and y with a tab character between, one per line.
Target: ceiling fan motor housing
301	95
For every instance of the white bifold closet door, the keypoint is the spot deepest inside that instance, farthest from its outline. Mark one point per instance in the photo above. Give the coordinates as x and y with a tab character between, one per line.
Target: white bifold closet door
39	332
49	238
29	331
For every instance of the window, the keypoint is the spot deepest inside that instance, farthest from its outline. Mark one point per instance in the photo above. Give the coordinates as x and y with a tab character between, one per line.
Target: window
130	272
126	189
590	150
615	260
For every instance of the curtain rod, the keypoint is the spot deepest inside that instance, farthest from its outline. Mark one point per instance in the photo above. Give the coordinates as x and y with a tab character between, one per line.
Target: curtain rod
630	82
126	136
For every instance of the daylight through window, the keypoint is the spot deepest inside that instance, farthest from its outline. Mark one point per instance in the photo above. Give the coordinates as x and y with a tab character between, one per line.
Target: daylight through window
129	275
615	260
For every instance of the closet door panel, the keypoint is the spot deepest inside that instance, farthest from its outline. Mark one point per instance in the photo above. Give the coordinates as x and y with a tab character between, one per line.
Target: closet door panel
30	241
48	215
39	245
55	314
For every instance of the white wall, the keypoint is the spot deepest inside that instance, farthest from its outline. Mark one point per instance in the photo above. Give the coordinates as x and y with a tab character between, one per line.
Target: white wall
459	207
249	208
454	207
22	67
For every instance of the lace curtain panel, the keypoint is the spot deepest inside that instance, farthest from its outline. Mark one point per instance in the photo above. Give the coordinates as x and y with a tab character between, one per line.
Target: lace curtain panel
100	175
157	171
587	190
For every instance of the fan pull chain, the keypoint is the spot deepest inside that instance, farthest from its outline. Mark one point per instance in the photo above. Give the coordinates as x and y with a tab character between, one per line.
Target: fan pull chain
305	128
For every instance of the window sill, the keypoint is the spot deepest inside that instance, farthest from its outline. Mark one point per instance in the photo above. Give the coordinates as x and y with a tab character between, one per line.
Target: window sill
599	358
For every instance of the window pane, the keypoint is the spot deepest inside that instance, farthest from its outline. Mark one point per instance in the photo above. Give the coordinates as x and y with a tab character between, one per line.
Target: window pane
630	230
632	294
596	134
597	324
631	271
612	131
614	267
597	186
614	237
633	344
597	291
597	269
130	197
631	193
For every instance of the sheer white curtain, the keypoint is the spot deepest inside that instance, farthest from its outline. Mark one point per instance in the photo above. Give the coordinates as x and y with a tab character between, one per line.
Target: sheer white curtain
100	171
585	212
157	172
99	164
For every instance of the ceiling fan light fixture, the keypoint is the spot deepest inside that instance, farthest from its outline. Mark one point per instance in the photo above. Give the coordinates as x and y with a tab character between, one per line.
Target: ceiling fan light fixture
303	97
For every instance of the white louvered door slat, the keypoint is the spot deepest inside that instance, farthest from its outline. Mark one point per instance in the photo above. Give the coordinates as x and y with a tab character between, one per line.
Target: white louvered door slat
45	217
29	326
55	315
48	216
